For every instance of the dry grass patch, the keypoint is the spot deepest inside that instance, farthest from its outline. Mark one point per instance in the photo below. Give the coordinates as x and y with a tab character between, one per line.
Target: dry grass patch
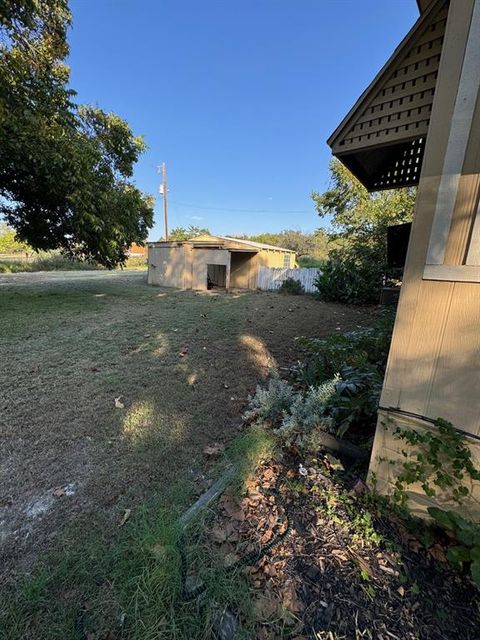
182	364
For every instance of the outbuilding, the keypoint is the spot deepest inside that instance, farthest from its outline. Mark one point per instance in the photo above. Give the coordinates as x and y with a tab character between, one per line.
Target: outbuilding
207	262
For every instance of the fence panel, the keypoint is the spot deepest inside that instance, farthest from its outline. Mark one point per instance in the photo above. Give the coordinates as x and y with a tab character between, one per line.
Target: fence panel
271	278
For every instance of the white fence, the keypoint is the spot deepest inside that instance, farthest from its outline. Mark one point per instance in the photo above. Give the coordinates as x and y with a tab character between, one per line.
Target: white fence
271	278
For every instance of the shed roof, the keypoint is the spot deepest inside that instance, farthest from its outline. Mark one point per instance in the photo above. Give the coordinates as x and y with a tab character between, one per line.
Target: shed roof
257	245
382	138
226	242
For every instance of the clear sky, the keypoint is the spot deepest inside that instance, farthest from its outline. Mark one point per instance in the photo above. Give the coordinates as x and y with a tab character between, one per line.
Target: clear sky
237	97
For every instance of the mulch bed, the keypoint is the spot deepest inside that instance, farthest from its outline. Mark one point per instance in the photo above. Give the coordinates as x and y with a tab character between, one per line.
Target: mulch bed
347	570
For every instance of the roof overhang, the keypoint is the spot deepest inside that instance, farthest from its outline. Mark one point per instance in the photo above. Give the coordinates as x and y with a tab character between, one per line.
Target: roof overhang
382	138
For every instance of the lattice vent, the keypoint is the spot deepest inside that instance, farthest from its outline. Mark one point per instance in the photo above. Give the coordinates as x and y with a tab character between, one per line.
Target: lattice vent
405	167
396	109
401	106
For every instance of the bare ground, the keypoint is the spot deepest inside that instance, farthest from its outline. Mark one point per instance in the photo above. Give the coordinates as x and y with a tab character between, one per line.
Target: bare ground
181	363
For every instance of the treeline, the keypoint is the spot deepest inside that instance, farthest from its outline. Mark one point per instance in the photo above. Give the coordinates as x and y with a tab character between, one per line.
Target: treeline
311	248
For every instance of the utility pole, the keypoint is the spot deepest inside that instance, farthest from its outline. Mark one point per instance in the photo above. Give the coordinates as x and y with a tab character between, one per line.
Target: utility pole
163	192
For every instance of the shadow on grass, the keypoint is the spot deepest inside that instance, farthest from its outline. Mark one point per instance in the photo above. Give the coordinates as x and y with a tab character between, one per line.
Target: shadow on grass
182	364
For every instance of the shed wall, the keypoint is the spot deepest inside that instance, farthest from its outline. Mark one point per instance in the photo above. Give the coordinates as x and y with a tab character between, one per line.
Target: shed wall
166	266
203	257
243	273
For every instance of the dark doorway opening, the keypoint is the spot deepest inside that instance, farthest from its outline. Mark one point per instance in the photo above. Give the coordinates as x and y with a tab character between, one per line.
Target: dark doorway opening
216	276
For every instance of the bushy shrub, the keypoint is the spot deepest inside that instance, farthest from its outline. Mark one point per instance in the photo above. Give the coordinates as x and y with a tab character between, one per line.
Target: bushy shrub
47	262
337	387
292	287
308	413
352	278
269	405
357	349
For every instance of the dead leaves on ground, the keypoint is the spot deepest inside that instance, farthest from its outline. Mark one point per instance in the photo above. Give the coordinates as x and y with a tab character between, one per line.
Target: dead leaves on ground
213	450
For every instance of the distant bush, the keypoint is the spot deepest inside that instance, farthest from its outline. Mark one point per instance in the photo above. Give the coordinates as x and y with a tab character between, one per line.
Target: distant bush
137	262
52	262
292	287
310	263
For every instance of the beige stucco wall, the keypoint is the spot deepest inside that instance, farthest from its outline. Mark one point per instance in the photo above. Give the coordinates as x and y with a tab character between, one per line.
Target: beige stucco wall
203	257
243	271
166	266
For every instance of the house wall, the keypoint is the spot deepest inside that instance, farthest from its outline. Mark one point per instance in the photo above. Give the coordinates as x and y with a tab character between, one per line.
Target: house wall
433	366
166	266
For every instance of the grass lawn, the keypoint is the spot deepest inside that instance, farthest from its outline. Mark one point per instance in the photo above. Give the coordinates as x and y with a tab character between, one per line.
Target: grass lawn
181	365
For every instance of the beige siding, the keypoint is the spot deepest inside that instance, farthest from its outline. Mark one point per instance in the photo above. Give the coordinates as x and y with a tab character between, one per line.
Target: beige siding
243	270
166	266
203	257
276	259
433	367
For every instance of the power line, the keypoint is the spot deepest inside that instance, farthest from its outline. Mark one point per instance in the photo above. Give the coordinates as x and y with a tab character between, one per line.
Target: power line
198	206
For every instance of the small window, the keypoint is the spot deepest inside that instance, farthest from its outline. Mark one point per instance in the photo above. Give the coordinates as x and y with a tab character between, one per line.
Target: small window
286	261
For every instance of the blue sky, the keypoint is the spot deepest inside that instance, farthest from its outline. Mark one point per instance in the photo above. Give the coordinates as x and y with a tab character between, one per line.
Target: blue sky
237	98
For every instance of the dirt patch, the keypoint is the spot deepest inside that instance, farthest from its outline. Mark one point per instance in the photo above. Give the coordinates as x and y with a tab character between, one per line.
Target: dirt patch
183	364
345	569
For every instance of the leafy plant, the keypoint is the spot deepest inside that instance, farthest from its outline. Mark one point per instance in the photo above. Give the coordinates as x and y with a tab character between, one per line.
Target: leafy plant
357	264
356	349
270	404
437	459
467	534
351	276
307	414
292	287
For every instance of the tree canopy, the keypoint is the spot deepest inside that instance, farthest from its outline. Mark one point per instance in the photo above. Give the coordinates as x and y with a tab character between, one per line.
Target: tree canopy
357	262
357	215
306	245
65	169
186	233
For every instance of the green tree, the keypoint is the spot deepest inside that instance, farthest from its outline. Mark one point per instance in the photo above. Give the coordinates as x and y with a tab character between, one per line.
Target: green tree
64	169
9	243
359	223
312	246
186	233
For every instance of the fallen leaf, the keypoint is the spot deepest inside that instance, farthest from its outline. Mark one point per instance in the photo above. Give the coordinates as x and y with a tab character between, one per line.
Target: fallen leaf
233	509
125	517
218	534
59	492
213	449
290	599
358	488
265	607
437	552
118	403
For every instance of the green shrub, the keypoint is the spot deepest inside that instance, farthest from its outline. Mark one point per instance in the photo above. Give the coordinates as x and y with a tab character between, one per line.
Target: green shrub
353	278
465	548
46	262
292	287
307	414
356	349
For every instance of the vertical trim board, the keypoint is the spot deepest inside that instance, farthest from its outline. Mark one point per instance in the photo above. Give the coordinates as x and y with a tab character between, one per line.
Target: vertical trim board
457	142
